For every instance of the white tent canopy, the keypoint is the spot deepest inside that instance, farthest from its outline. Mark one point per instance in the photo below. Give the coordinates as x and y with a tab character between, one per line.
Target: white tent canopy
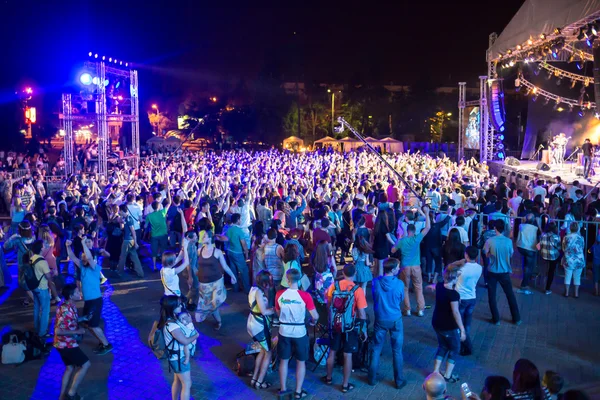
541	16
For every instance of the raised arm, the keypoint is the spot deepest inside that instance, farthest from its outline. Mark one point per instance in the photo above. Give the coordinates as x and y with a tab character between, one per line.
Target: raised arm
72	255
88	255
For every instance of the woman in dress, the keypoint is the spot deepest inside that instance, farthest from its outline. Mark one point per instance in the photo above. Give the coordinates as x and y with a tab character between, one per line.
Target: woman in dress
383	234
170	307
211	265
17	214
361	254
259	327
574	259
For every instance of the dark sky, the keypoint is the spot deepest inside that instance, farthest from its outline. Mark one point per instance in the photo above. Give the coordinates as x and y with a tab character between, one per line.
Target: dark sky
181	45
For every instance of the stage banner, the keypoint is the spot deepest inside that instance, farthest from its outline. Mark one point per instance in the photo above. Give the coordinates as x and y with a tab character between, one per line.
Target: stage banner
471	138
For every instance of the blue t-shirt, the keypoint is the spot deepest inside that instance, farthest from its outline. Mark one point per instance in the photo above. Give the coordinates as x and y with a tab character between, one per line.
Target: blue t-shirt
90	283
388	294
500	249
128	224
410	248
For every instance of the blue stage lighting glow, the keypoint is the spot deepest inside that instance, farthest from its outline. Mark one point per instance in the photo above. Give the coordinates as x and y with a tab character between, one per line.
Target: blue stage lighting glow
85	78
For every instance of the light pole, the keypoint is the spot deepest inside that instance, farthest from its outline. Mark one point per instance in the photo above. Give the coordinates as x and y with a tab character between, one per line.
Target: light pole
155	107
332	109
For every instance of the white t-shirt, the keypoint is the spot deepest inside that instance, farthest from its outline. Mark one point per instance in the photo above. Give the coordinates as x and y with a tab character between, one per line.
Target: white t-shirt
467	280
541	191
464	236
514	203
170	282
175	346
136	213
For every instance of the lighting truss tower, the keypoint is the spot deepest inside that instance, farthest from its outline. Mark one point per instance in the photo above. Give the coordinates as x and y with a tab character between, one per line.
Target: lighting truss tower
104	72
67	126
462	99
486	139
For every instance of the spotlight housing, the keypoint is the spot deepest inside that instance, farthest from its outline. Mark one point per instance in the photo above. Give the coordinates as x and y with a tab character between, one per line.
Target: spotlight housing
85	79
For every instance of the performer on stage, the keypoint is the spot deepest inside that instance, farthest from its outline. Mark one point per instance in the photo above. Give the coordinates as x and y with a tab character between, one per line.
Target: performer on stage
560	147
588	151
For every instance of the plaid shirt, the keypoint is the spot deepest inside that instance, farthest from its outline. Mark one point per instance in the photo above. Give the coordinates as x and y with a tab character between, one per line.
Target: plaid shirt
550	246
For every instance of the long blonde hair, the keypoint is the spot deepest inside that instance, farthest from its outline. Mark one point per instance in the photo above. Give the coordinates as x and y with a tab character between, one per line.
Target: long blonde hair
46	235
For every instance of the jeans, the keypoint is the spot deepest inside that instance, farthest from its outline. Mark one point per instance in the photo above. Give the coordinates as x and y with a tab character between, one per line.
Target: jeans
504	280
128	248
529	262
587	163
551	271
448	344
433	254
6	276
41	311
239	267
406	275
174	238
466	308
381	328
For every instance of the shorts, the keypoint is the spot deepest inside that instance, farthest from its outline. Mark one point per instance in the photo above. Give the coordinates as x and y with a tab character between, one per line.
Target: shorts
298	347
73	356
179	367
347	342
158	242
94	307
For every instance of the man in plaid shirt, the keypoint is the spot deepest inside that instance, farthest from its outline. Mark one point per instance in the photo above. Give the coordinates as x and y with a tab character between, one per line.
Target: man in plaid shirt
550	251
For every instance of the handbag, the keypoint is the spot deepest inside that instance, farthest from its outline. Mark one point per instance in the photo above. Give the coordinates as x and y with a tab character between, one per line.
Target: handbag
13	352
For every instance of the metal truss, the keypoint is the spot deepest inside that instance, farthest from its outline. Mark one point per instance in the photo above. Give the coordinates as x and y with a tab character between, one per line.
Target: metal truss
461	117
101	116
67	126
552	96
565	74
486	151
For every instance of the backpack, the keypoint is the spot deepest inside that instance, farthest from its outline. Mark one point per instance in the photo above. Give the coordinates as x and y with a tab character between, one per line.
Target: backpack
341	319
30	281
156	342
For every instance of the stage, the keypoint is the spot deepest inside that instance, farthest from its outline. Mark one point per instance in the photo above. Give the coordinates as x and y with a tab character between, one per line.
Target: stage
526	170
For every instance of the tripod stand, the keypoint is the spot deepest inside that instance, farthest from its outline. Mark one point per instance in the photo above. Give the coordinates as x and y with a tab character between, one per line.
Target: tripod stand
535	155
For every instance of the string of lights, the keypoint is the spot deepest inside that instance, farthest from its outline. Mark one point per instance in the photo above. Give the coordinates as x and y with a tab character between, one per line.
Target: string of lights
559	101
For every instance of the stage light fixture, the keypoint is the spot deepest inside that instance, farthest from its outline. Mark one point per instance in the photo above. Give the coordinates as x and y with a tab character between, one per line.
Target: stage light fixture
519	47
106	82
511	63
543	36
594	28
109	60
534	98
573	83
530	42
500	146
549	75
581	35
597	115
103	58
560	109
546	101
571	107
95	80
556	106
558	82
126	64
590	41
581	113
557	31
120	62
85	79
579	65
90	54
586	82
509	51
96	55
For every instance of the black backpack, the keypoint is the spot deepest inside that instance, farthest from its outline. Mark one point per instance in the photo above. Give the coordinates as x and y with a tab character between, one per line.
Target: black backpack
30	280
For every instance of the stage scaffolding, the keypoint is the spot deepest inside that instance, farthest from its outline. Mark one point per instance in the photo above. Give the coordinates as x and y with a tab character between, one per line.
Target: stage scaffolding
102	72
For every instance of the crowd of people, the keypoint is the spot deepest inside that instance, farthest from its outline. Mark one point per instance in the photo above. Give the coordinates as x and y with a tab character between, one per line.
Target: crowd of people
300	234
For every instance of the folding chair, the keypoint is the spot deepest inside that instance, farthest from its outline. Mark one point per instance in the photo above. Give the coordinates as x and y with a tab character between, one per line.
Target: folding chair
321	334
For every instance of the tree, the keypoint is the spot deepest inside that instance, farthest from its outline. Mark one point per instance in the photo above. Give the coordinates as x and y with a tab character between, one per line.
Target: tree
316	116
437	124
290	122
160	121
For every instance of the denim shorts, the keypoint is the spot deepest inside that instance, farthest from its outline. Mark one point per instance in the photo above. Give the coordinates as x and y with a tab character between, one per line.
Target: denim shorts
179	367
448	344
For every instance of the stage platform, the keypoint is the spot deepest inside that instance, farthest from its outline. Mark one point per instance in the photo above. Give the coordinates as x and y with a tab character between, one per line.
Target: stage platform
526	170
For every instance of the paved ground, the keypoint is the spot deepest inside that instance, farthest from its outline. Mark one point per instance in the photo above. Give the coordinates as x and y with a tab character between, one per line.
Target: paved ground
557	333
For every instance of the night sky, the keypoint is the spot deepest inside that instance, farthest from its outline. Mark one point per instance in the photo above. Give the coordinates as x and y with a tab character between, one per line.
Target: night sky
182	46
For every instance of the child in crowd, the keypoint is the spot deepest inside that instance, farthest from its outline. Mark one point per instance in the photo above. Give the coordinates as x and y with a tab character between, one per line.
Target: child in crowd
185	322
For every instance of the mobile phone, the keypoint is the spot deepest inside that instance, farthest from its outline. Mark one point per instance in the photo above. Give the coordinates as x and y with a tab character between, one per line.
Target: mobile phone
466	390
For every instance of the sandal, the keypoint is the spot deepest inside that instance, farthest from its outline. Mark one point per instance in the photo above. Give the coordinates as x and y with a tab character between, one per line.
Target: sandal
300	395
253	383
261	385
327	381
452	379
346	389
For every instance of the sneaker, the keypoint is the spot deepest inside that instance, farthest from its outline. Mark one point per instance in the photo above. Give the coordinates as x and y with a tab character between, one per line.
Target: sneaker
420	314
406	313
105	350
98	348
524	291
548	292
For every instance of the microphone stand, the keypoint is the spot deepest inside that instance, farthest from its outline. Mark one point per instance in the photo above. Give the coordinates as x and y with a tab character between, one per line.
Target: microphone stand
534	156
573	153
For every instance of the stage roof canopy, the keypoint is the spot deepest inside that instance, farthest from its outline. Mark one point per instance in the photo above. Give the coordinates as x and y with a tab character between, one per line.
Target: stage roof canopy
541	16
